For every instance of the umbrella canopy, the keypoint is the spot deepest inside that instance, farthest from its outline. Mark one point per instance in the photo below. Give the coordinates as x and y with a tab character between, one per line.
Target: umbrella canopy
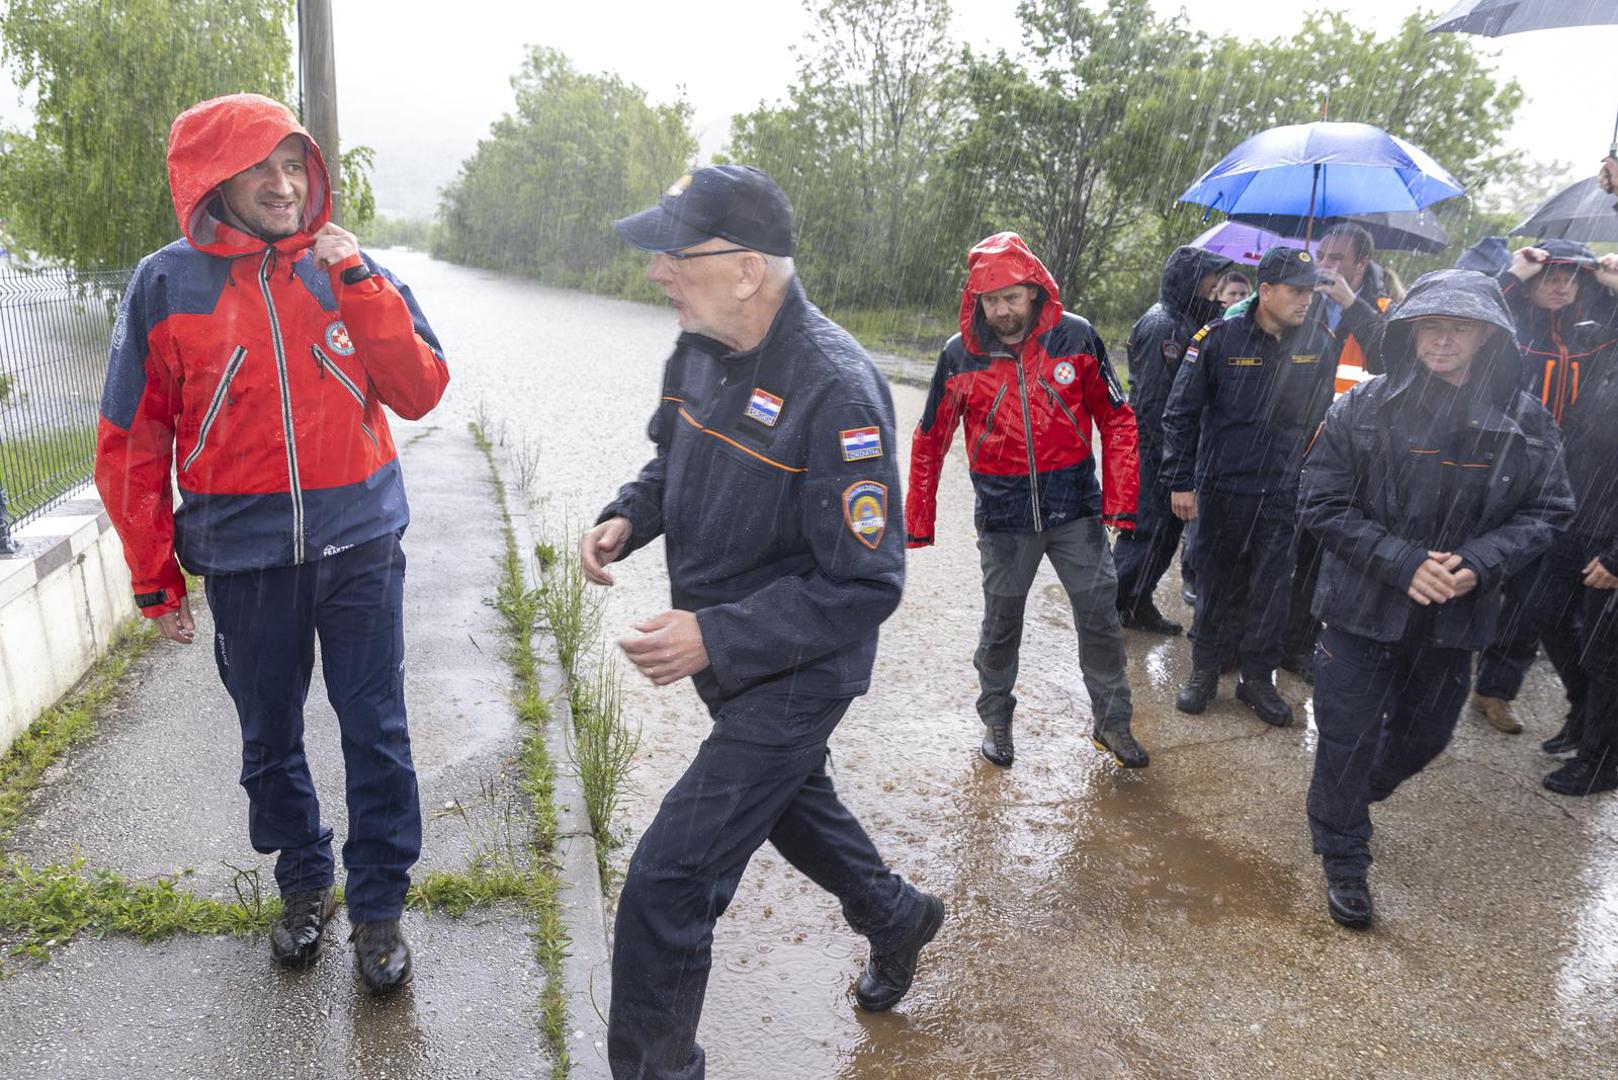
1419	231
1323	170
1581	212
1242	243
1496	18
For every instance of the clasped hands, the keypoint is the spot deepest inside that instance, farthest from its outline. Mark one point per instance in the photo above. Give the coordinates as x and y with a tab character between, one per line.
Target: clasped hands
1440	578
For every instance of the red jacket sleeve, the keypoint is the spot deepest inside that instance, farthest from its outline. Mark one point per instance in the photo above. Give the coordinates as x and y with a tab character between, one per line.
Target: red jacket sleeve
928	447
401	355
1120	462
135	451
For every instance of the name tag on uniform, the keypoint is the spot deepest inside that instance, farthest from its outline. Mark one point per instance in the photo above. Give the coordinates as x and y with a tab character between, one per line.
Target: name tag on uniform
1245	361
764	407
1306	358
861	443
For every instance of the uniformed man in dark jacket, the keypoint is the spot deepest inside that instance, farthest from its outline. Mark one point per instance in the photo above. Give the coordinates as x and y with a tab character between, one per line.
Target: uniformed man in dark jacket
1184	304
773	485
1249	392
1427	487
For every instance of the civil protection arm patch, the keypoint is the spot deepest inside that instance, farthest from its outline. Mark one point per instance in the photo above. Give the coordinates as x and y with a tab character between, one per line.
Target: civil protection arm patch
865	511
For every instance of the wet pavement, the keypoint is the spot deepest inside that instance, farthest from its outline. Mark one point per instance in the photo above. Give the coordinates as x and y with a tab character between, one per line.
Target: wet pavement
155	793
1164	924
1160	924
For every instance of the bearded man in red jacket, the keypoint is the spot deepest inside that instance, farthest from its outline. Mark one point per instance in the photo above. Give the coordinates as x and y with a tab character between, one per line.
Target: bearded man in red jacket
1032	382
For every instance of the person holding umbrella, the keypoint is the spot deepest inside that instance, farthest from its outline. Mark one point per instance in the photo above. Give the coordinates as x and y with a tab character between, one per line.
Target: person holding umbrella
1158	341
1427	487
1562	300
1249	391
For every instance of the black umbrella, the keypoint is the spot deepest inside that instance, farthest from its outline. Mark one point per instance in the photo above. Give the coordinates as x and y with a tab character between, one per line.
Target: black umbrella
1417	231
1582	212
1496	18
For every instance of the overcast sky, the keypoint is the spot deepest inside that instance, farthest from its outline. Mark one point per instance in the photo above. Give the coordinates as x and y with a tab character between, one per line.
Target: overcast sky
421	82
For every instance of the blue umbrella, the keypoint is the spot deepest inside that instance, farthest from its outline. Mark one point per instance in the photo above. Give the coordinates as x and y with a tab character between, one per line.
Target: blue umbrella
1324	169
1496	18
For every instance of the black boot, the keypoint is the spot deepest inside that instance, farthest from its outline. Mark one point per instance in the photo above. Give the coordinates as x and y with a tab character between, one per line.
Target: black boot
887	976
1199	689
381	955
1567	739
297	936
1581	776
1122	746
1301	664
997	744
1144	616
1260	695
1348	899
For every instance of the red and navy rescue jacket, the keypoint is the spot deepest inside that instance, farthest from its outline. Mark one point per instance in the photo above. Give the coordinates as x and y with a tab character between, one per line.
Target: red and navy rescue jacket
1028	409
256	377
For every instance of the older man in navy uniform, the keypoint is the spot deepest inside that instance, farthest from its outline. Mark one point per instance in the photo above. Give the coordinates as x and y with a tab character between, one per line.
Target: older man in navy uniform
772	485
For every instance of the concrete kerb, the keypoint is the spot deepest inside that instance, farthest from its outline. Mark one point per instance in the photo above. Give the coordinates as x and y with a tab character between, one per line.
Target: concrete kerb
586	969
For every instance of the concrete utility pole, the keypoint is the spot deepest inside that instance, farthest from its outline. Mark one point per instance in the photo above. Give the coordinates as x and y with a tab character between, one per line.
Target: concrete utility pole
317	80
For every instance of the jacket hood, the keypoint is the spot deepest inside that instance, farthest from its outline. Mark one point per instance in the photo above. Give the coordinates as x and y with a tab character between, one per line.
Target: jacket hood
1457	294
216	139
1567	251
999	262
1177	291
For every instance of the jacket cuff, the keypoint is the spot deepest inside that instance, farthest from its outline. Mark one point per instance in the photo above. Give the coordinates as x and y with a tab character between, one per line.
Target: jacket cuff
161	601
713	642
1410	564
1125	522
912	541
1488	576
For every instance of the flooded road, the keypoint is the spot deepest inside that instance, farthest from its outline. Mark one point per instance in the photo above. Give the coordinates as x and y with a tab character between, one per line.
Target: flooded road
1168	923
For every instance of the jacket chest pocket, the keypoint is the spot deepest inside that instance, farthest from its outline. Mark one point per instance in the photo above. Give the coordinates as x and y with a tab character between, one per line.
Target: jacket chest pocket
330	368
218	401
723	496
992	420
1060	414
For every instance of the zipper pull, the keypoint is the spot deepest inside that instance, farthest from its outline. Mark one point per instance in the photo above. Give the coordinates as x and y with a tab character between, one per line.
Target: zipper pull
320	367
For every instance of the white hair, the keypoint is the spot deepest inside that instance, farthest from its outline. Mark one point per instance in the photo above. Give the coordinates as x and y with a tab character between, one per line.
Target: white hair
778	269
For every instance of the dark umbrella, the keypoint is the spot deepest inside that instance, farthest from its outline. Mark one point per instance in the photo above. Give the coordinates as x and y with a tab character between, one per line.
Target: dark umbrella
1496	18
1418	231
1581	212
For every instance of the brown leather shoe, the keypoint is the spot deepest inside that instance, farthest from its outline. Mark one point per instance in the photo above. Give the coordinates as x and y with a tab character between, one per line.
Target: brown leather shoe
1497	711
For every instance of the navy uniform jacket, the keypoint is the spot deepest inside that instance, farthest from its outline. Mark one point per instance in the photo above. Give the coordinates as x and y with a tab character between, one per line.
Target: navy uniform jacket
1243	406
773	483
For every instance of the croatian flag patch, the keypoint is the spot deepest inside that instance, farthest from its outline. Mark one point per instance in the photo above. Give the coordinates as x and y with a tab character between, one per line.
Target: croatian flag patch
861	443
764	407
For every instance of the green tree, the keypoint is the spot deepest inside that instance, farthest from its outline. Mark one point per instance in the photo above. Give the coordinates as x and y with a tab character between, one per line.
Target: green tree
539	195
89	185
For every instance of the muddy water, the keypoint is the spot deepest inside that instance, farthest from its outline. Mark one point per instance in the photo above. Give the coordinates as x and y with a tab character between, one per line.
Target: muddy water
1165	924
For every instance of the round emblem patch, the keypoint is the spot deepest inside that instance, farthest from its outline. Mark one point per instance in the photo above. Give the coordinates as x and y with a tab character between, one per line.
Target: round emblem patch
337	339
1065	373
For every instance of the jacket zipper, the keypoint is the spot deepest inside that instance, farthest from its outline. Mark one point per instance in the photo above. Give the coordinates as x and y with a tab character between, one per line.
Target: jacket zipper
208	418
325	364
988	425
1028	441
1051	390
295	489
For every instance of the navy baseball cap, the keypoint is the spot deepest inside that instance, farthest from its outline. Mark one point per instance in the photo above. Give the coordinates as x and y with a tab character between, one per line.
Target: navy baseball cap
1288	266
731	202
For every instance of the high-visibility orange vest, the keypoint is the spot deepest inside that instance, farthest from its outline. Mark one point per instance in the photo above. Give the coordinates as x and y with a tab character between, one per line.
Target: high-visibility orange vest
1351	359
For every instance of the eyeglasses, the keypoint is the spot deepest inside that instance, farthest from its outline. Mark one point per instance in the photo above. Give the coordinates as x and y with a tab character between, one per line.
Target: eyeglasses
682	256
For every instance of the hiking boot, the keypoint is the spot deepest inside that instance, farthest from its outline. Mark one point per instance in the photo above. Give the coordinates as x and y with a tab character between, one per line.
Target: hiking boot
1582	776
997	744
1566	740
1122	746
1497	711
887	976
1260	696
1201	688
1348	899
1145	617
297	936
381	955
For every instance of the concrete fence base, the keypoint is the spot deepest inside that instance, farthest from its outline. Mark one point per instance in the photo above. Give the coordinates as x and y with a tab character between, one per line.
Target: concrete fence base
64	594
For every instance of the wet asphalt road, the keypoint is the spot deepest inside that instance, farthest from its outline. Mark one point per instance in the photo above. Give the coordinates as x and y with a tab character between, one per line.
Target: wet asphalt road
1164	924
1161	924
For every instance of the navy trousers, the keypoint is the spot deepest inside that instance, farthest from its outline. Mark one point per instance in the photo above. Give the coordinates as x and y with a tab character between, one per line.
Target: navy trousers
1383	712
1243	544
760	775
1143	554
1541	606
1598	664
266	622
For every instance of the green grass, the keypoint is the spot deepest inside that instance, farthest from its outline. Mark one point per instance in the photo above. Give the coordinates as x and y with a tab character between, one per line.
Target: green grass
912	333
66	454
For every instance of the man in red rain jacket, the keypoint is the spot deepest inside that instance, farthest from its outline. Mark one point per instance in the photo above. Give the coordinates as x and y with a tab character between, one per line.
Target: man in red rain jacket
253	358
1027	378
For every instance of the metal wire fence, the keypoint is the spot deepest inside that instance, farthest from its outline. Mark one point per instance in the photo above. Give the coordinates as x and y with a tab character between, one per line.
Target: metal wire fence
55	330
